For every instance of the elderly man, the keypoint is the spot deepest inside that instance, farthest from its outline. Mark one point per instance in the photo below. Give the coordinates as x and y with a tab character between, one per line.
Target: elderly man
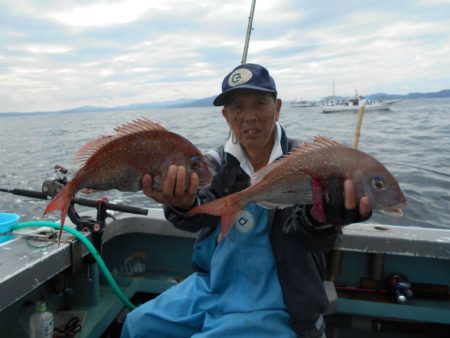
265	278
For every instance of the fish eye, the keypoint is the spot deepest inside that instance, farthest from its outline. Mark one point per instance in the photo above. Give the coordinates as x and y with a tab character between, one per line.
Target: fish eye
195	162
377	184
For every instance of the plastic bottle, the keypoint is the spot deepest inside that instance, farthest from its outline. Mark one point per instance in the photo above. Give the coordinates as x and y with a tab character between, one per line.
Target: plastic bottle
41	322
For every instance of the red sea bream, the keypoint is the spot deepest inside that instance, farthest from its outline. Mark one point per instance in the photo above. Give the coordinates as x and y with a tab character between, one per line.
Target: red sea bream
120	161
289	181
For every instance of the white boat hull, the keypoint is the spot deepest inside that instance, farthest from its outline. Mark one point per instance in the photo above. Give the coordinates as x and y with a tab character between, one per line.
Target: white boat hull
385	105
301	105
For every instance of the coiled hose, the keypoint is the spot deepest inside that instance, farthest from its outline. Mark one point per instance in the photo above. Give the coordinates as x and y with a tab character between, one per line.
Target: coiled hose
91	249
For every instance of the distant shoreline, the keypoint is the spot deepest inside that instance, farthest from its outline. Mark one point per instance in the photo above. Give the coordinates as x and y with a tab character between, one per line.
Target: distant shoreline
207	102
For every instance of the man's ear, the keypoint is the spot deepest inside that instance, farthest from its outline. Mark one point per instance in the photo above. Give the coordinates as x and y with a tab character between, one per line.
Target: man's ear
278	105
225	112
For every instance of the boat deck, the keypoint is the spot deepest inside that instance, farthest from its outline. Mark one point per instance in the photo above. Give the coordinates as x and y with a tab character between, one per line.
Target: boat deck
146	255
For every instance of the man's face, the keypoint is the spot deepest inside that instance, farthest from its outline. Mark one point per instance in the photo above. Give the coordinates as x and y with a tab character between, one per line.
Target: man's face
252	115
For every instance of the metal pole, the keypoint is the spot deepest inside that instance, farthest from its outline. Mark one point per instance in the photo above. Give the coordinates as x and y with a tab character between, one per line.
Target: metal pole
333	89
249	31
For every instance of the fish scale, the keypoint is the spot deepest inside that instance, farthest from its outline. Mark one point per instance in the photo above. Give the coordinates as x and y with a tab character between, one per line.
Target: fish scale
288	181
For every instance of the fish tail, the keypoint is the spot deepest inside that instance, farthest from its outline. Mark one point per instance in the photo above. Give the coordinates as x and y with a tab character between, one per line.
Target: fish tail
62	202
227	208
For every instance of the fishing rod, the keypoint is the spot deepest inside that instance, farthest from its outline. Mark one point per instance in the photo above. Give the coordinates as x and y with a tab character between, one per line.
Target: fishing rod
249	32
95	225
80	201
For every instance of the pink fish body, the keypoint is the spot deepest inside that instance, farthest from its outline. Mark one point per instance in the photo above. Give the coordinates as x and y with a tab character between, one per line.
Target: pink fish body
288	181
120	161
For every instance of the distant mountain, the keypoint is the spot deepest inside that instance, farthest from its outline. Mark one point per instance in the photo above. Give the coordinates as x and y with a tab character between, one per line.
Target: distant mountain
207	102
181	103
433	95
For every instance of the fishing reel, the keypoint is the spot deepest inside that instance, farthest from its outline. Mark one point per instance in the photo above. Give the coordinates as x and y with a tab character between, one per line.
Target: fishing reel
89	224
399	286
52	187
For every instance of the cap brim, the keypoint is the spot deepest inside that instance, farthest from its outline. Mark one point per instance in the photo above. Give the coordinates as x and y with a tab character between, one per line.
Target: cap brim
221	99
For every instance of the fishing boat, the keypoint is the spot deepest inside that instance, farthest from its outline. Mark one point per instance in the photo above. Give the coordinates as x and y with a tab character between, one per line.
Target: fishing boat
381	280
301	104
390	279
354	104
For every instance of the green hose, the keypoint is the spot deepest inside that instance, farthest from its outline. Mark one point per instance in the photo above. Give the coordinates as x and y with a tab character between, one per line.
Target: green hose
91	249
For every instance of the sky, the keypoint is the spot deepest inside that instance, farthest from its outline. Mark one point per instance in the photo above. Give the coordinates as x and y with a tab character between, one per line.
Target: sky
61	54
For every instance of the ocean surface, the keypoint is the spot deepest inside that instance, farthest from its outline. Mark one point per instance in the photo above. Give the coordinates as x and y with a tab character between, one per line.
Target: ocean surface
412	140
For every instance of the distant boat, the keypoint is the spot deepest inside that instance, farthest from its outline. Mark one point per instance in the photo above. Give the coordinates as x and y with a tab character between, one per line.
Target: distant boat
301	103
353	104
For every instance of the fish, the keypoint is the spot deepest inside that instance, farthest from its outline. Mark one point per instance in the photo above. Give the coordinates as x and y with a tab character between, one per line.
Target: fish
294	178
120	161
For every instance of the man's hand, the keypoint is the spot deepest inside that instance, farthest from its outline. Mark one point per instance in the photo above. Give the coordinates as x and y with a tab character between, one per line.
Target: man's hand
350	200
338	205
174	193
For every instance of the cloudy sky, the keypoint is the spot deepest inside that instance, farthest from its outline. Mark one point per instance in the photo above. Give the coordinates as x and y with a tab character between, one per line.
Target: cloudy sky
58	54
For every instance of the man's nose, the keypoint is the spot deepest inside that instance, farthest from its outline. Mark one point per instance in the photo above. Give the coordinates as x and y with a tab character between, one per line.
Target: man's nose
251	113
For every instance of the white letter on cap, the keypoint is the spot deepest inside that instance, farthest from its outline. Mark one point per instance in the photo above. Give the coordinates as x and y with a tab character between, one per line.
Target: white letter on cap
239	76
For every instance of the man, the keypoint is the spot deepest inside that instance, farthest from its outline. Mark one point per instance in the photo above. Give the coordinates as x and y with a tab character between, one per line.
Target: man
265	278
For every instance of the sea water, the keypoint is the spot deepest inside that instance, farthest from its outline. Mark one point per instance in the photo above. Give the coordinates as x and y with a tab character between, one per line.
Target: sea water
412	139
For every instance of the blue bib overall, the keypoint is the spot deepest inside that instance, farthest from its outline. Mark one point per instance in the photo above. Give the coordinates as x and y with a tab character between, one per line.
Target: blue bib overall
239	297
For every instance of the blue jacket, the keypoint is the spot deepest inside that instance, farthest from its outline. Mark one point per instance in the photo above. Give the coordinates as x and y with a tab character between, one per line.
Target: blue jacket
298	246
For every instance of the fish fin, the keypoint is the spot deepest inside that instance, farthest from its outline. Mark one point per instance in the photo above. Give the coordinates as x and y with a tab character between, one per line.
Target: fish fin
318	142
136	126
300	195
227	208
89	190
284	206
62	202
90	148
325	141
273	205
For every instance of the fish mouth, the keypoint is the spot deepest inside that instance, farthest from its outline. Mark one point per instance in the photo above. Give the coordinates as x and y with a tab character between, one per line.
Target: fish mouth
206	181
395	210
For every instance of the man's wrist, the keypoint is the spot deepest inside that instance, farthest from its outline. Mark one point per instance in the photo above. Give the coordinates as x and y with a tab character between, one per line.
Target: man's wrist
311	222
184	209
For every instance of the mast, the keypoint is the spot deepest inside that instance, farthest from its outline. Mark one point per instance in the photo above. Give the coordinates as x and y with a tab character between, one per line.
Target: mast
333	89
249	31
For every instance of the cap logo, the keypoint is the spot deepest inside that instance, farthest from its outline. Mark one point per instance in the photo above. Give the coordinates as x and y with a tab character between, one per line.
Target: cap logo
239	76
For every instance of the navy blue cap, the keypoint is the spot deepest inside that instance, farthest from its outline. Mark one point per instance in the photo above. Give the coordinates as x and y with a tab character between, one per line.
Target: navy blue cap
246	76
